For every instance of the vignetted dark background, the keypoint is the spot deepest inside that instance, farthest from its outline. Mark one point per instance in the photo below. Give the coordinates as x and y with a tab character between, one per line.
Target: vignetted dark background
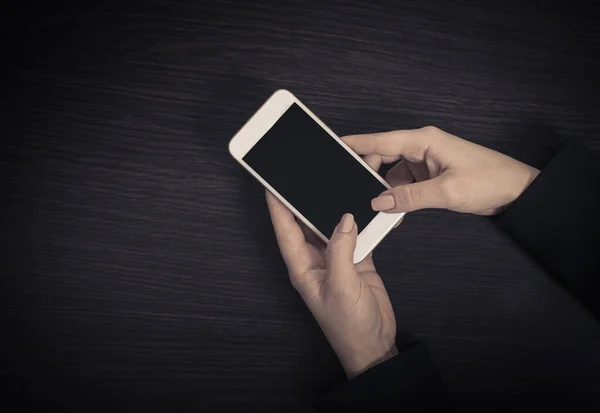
138	265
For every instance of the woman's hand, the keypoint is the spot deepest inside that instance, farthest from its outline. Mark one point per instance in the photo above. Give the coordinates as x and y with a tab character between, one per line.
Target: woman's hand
348	301
450	172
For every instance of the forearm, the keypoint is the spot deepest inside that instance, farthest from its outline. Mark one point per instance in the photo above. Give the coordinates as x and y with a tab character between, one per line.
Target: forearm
557	220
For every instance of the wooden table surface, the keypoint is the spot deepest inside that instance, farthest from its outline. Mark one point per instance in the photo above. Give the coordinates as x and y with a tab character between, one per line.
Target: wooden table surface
139	268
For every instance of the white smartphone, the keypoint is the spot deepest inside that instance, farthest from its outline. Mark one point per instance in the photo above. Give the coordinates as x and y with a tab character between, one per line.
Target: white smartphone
312	171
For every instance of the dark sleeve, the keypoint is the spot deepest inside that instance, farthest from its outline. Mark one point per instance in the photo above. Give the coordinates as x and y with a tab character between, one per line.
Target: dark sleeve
557	220
407	382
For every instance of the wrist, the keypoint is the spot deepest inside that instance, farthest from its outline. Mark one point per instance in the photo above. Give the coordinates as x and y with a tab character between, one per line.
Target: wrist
359	362
525	179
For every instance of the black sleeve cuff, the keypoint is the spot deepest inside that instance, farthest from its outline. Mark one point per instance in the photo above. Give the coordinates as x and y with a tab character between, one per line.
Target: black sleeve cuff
408	381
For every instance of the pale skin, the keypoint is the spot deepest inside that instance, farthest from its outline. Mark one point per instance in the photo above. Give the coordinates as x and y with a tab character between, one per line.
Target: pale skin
438	170
349	301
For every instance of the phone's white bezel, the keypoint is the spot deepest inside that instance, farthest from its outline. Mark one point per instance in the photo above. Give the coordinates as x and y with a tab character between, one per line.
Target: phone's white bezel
256	127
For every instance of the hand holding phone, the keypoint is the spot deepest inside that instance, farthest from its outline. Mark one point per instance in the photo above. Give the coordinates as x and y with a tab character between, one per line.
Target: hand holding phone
440	170
348	301
312	171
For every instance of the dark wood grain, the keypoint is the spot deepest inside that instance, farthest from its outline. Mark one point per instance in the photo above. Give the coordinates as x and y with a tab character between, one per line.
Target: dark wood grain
139	269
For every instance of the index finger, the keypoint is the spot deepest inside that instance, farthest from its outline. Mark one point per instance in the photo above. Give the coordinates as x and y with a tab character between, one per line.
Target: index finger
411	144
290	237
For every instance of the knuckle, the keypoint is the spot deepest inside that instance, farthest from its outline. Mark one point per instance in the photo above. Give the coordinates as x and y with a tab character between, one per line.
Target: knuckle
432	130
433	134
407	195
332	248
377	143
335	244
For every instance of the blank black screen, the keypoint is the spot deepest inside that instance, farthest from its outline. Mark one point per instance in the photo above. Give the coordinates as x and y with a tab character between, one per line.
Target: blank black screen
314	172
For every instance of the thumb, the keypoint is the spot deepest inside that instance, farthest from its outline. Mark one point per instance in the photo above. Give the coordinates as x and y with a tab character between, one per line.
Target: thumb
431	193
340	249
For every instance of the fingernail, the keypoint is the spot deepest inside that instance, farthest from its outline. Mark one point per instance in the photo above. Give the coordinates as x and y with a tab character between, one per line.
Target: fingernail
383	203
347	223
